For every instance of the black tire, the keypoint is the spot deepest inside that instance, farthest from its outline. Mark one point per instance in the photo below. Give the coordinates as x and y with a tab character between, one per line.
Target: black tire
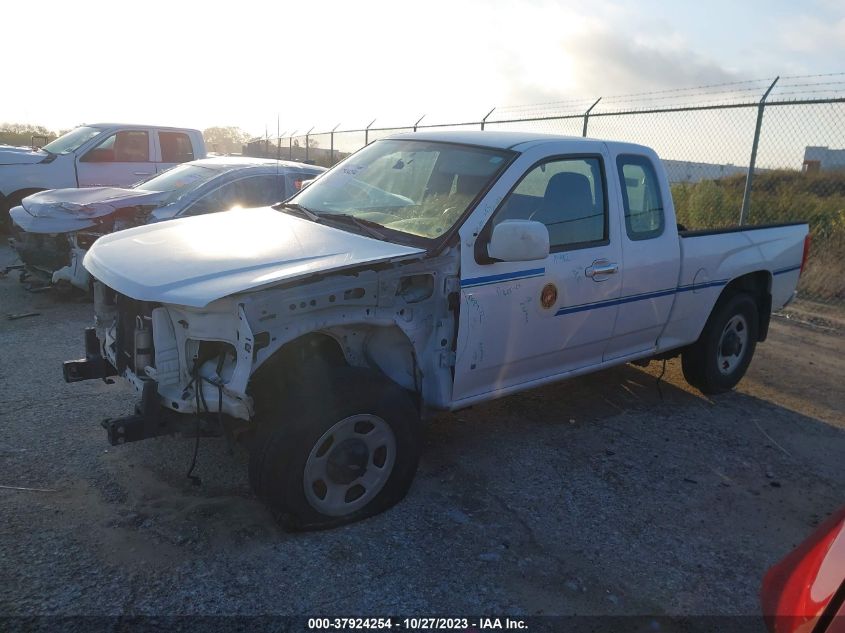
718	360
290	430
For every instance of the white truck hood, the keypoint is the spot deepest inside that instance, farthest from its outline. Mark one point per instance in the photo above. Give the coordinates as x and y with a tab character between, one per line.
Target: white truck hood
11	155
194	261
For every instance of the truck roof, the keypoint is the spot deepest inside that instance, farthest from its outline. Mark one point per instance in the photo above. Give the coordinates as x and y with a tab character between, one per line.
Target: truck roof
501	139
140	125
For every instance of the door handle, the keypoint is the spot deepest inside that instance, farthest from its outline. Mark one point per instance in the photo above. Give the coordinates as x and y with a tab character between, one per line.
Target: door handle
601	267
143	173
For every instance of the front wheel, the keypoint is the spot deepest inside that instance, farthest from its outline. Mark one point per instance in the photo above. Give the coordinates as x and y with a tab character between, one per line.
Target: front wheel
342	446
718	360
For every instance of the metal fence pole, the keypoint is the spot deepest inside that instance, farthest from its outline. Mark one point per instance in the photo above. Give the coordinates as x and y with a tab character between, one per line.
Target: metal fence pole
367	133
587	116
749	180
331	143
484	120
290	145
306	142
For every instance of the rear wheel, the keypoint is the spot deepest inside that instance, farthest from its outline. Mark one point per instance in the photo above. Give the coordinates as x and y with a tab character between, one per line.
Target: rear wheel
719	359
335	450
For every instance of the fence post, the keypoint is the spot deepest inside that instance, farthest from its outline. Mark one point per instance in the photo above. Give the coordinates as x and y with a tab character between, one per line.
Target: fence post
587	116
331	142
484	120
306	142
749	180
418	122
367	133
290	145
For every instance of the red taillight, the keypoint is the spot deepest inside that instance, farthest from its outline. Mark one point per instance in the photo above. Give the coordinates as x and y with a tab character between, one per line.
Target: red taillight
807	241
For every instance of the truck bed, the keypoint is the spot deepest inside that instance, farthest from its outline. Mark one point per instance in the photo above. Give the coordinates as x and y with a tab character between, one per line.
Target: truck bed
712	258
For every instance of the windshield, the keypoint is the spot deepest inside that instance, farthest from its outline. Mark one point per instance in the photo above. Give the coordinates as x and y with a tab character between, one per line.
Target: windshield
416	187
72	140
179	180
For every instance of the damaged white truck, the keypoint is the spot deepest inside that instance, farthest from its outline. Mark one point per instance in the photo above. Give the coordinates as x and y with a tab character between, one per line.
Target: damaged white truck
425	272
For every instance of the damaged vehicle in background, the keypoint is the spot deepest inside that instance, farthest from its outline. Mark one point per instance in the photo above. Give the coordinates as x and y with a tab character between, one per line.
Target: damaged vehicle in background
52	230
97	155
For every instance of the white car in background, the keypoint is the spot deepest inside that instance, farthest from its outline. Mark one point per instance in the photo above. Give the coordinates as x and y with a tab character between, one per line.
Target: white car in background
53	229
102	154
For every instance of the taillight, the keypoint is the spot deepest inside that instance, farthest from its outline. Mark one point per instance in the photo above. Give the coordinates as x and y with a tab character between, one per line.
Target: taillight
807	241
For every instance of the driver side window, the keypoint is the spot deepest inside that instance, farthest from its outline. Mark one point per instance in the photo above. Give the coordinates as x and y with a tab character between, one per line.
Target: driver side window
127	146
565	194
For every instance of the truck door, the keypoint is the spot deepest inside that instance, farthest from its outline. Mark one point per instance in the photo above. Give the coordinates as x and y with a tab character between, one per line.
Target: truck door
120	160
173	148
521	322
651	252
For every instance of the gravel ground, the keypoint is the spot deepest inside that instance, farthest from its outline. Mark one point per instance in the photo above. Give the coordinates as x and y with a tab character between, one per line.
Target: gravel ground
593	496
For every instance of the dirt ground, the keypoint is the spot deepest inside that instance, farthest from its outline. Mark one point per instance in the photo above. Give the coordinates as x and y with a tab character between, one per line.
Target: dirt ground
592	496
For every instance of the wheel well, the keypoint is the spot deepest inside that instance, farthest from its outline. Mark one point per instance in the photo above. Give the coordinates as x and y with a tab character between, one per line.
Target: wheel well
15	197
386	350
759	285
291	360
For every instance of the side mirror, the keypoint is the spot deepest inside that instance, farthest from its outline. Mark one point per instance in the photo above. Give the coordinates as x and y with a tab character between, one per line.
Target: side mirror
519	241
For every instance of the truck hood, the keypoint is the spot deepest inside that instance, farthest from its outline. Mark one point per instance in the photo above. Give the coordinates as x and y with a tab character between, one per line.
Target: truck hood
194	261
10	155
70	210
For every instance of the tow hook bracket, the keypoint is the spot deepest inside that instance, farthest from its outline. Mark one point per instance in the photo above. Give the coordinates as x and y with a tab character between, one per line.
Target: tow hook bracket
92	366
146	422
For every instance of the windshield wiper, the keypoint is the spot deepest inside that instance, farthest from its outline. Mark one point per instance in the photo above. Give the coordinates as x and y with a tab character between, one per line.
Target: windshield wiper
366	225
293	206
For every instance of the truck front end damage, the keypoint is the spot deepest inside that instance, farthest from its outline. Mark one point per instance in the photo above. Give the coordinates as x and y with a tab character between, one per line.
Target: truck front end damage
195	368
184	363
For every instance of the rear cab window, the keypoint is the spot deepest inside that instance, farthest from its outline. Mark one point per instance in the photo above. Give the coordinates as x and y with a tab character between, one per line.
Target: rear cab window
176	147
641	197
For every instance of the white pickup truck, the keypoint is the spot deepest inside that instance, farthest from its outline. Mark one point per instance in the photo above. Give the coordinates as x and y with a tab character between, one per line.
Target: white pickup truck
428	271
102	154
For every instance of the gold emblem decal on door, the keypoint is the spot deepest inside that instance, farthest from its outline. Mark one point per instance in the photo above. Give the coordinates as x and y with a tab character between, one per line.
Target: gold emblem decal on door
548	296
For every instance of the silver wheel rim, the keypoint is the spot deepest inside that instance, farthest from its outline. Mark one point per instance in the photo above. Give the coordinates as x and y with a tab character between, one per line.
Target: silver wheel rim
349	465
732	344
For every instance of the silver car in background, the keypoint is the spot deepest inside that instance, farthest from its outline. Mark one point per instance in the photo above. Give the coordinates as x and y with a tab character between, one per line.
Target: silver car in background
53	229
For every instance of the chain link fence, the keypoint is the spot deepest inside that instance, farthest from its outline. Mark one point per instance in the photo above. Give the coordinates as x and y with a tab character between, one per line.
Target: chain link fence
752	152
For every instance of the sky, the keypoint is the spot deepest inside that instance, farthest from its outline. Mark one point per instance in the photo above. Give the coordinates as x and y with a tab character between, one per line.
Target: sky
320	64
